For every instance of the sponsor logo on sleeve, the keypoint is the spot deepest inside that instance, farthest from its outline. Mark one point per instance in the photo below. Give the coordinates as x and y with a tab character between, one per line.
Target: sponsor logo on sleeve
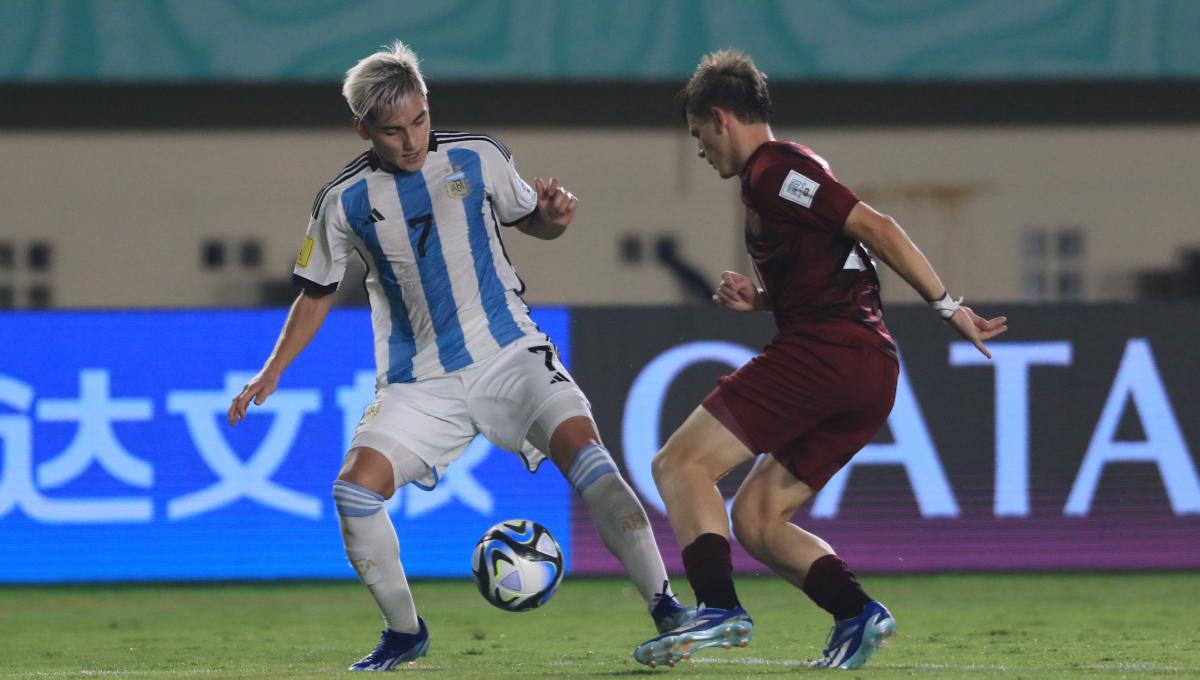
305	252
798	189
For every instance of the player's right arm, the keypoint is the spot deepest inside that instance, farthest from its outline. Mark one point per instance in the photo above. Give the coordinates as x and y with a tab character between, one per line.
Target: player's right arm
319	270
304	319
889	242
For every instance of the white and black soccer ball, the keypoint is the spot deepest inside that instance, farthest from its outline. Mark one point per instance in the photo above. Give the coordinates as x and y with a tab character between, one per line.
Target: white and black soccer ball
517	565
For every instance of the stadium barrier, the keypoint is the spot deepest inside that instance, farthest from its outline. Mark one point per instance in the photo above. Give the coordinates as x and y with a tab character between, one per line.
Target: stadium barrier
1073	449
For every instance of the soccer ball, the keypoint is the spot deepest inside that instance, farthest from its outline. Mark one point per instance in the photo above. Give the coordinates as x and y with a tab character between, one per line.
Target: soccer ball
517	565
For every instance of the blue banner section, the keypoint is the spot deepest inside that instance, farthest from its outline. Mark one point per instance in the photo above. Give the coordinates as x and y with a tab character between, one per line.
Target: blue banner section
117	462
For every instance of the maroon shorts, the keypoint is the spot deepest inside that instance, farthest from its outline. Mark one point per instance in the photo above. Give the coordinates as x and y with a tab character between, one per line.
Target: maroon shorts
811	403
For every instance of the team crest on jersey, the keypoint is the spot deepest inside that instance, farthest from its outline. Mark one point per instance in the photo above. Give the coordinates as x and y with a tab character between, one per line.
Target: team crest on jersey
798	189
457	185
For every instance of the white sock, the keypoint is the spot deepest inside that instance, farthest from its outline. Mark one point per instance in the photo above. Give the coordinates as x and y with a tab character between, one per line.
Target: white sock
374	552
620	519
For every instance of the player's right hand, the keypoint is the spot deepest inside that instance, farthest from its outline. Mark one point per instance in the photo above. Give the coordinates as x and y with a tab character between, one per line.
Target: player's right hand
258	389
736	292
976	329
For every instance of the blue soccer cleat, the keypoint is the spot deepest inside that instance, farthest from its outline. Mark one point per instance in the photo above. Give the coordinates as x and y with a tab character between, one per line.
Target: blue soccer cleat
395	648
710	627
853	641
668	613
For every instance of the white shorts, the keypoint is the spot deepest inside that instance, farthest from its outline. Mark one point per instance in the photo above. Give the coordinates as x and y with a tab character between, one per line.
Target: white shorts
516	398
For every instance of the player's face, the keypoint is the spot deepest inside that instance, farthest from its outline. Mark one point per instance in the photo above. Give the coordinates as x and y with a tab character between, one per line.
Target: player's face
399	133
713	144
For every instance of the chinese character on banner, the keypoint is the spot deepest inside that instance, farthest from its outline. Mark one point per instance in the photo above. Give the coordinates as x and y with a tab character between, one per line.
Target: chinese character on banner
95	411
203	412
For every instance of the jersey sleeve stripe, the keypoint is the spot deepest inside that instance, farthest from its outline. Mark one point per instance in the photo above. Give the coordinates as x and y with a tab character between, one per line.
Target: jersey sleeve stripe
354	167
451	137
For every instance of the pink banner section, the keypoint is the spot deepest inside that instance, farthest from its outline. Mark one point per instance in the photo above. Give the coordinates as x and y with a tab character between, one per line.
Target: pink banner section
1075	447
884	543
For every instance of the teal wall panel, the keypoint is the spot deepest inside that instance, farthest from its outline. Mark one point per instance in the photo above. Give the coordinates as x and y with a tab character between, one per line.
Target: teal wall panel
300	40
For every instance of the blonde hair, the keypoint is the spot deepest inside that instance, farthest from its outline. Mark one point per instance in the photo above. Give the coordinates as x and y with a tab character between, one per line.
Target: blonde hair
383	78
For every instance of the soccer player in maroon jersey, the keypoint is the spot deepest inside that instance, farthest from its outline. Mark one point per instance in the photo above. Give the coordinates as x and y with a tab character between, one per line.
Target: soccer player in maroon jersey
817	393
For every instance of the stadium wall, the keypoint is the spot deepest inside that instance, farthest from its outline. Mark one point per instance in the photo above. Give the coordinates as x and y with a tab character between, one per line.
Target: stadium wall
129	213
117	464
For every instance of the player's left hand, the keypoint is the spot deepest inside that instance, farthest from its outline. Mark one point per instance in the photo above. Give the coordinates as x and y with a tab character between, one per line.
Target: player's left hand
737	292
555	203
975	328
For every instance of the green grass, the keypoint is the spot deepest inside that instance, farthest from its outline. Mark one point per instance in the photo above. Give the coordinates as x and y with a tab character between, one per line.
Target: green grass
1011	626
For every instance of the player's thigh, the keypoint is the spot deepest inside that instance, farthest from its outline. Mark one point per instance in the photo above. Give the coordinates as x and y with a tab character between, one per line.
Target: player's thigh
702	444
781	393
526	397
415	426
818	454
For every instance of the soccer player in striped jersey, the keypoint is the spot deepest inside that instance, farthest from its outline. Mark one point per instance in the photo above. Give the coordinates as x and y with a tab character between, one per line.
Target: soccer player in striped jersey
456	351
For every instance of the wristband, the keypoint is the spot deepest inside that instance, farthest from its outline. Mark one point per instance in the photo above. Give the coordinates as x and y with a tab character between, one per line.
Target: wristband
946	306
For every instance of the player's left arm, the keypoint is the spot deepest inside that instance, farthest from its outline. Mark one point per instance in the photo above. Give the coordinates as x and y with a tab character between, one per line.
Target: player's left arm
555	209
886	239
738	293
542	211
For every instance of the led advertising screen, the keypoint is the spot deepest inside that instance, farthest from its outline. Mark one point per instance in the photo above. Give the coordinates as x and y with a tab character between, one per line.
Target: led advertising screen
1073	448
118	463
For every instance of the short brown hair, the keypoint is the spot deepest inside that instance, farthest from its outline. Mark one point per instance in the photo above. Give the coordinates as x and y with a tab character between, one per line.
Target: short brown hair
728	79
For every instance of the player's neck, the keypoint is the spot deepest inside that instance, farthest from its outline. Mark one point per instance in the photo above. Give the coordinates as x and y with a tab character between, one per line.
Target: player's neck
748	139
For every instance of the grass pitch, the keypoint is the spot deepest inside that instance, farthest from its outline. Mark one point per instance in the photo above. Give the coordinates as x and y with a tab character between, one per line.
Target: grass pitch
1011	626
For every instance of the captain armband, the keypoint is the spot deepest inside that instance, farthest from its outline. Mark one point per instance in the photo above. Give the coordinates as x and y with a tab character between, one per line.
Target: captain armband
946	306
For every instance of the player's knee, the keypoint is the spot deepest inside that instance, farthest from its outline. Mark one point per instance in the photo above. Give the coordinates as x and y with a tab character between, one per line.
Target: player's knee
679	459
571	436
664	465
369	469
749	526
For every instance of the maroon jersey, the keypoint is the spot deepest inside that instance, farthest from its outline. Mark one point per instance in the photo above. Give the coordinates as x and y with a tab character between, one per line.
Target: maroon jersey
819	281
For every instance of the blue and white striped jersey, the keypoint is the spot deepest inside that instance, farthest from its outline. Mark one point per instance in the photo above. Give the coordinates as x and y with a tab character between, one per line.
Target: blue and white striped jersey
443	293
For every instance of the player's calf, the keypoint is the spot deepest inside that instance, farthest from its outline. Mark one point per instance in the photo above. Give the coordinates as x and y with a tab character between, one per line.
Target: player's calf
625	529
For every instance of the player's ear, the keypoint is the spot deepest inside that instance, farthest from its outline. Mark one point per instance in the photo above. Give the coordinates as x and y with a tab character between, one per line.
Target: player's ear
360	126
719	119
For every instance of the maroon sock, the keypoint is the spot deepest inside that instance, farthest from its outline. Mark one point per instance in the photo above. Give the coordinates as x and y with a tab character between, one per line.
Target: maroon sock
834	588
708	562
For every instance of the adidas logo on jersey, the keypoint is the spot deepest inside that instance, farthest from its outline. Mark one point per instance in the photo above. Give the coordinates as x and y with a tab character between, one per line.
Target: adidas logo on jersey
376	216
